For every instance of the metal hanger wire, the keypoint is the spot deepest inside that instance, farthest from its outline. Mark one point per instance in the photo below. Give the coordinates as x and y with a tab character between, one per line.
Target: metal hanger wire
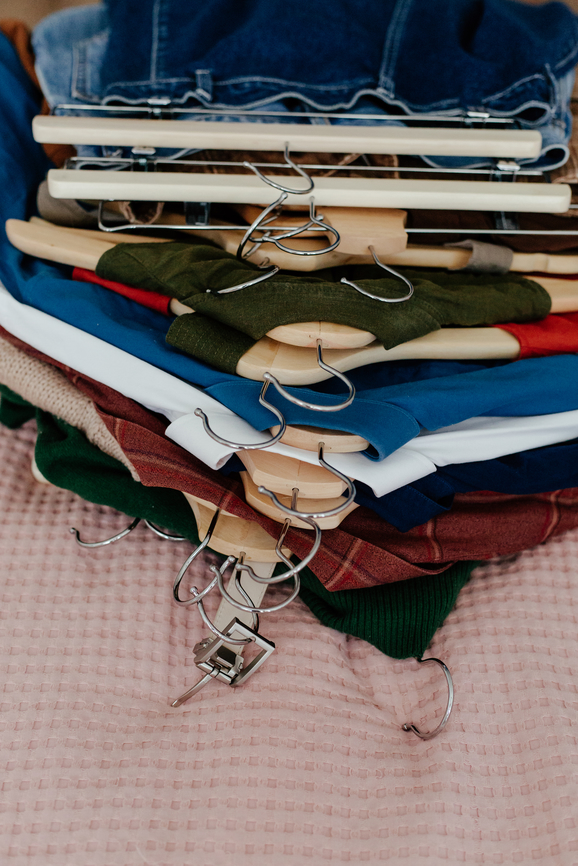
391	271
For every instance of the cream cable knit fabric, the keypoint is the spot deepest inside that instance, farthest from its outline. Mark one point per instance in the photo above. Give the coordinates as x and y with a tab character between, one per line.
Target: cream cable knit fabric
50	390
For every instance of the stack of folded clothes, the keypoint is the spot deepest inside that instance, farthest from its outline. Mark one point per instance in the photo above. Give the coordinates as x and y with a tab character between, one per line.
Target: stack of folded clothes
466	460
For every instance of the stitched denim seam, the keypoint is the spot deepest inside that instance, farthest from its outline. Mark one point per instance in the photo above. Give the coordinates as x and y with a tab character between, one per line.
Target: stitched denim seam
535	77
248	105
155	40
244	80
573	51
79	64
395	33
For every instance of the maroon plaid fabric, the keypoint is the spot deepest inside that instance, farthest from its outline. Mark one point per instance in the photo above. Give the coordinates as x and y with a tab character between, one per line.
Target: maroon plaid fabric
365	550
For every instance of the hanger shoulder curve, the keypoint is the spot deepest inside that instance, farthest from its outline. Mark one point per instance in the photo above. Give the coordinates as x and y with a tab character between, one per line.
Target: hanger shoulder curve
263	504
232	534
282	474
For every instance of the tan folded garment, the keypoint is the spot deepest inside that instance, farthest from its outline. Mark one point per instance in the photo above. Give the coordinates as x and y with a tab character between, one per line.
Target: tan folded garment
49	389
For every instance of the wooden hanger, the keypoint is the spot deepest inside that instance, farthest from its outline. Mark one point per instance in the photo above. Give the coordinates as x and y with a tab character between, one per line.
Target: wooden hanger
262	503
80	248
358	228
282	474
232	534
308	438
435	141
294	365
329	191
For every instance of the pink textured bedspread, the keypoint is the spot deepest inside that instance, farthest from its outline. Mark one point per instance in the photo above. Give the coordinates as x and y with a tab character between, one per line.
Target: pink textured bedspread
307	762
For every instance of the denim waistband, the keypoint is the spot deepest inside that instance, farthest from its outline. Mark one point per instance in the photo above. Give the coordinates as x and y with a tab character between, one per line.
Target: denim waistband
417	55
497	56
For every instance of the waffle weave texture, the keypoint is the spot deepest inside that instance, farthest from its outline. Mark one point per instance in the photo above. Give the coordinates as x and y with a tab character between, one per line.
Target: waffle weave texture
304	764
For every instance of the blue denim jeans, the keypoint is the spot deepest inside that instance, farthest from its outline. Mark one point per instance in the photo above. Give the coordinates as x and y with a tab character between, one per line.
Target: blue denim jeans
387	56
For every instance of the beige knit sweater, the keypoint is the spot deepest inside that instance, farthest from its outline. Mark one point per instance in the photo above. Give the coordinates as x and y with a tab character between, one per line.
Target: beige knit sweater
49	389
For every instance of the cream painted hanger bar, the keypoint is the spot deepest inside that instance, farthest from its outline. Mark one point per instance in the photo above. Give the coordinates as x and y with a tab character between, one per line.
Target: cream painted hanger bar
232	534
274	136
282	474
328	191
262	503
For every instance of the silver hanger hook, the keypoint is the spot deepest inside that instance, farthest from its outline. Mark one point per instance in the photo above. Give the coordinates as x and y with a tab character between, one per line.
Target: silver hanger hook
313	220
166	535
106	541
335	407
279	186
428	736
260	223
246	285
240	566
189	560
218	576
237	445
316	515
293	570
390	271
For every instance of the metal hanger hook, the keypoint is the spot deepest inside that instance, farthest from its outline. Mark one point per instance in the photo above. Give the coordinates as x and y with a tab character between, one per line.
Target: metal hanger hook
189	560
279	186
218	578
316	515
166	535
262	221
390	271
246	285
335	407
237	446
313	220
250	608
428	736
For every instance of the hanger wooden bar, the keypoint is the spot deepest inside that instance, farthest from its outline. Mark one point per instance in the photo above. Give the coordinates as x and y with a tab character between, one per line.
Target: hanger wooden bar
299	366
281	474
293	365
436	141
232	534
308	438
262	503
328	191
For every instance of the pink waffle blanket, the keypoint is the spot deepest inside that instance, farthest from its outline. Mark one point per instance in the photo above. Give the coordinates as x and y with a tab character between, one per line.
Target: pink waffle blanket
307	762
